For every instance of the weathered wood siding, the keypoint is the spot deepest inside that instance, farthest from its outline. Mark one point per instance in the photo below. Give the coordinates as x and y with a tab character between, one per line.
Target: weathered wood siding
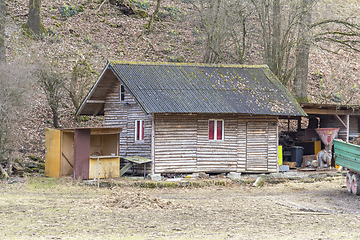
182	144
217	156
123	114
354	125
330	121
175	143
257	144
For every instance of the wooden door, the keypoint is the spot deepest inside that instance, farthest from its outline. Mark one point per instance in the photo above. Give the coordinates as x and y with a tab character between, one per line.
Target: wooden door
52	152
257	147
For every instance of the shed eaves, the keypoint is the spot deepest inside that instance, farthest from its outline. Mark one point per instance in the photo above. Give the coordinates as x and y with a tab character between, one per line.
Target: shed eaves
204	88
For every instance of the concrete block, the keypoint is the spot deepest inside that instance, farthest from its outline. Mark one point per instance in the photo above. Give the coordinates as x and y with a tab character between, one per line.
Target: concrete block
284	168
234	175
156	177
259	182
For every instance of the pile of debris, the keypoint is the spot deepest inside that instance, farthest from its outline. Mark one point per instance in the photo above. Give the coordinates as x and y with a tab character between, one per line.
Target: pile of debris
355	140
133	199
31	165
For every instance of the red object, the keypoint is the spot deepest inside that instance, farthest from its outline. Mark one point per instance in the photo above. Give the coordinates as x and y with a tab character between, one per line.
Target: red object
211	129
327	135
219	130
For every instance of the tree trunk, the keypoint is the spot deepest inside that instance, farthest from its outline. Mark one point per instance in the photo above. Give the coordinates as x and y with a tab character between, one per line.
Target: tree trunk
34	19
302	53
2	31
55	117
275	62
151	20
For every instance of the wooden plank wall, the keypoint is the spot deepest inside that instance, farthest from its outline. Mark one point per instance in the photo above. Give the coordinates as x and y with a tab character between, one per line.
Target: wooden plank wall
182	145
354	125
123	114
217	156
272	145
175	143
257	144
329	121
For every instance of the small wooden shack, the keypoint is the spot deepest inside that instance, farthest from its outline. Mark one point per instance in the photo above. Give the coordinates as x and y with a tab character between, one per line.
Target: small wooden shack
191	118
82	152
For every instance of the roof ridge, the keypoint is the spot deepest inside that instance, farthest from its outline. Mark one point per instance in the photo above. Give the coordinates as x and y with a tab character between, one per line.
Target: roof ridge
113	62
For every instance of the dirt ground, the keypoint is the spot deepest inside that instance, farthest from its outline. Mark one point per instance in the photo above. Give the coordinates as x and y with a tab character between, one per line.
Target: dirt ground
45	208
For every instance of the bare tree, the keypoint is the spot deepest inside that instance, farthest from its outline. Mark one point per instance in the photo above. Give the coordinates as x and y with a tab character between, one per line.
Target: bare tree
15	82
151	20
52	82
279	24
2	31
224	26
302	52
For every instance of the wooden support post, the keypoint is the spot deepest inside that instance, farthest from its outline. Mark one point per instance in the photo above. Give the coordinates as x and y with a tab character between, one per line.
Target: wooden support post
348	127
288	124
125	168
98	172
153	144
341	121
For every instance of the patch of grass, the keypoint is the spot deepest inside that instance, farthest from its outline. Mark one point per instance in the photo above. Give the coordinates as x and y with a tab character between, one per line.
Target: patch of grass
42	183
141	4
170	12
34	158
68	11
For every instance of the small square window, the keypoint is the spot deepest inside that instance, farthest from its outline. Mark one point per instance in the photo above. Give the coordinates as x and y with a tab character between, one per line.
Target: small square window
216	130
122	93
139	130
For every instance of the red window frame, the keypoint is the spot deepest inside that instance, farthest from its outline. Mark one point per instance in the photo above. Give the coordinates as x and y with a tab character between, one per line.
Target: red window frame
139	130
216	130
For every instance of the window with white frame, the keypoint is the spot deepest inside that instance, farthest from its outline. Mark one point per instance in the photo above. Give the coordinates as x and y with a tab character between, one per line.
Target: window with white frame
122	93
139	130
216	130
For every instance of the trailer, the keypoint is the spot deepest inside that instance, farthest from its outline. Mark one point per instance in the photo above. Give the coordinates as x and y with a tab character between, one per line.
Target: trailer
347	155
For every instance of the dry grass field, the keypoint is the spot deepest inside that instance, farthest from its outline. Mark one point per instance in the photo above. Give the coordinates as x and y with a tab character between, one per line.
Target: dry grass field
45	208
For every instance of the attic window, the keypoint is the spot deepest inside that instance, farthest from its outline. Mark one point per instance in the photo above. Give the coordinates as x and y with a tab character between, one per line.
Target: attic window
122	93
139	130
216	130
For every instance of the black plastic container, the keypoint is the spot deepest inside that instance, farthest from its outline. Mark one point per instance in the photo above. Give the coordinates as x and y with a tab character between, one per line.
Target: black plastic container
296	155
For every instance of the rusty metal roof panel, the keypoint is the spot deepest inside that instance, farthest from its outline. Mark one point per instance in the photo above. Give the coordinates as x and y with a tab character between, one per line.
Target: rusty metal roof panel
202	88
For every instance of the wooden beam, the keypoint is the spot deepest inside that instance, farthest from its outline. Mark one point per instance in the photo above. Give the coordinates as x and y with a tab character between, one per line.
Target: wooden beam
330	111
348	129
95	101
341	121
153	144
299	122
105	131
97	110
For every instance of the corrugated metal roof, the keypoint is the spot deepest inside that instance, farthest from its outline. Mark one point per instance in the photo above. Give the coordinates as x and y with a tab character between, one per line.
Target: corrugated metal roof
200	88
205	88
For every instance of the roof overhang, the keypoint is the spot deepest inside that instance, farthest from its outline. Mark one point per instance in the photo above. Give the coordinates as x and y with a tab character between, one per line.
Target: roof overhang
330	109
93	103
96	130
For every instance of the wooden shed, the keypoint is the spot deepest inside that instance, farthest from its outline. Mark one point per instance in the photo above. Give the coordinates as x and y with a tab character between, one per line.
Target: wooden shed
191	118
82	152
345	117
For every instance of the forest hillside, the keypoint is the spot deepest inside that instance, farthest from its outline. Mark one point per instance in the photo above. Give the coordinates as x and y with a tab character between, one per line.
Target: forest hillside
81	35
